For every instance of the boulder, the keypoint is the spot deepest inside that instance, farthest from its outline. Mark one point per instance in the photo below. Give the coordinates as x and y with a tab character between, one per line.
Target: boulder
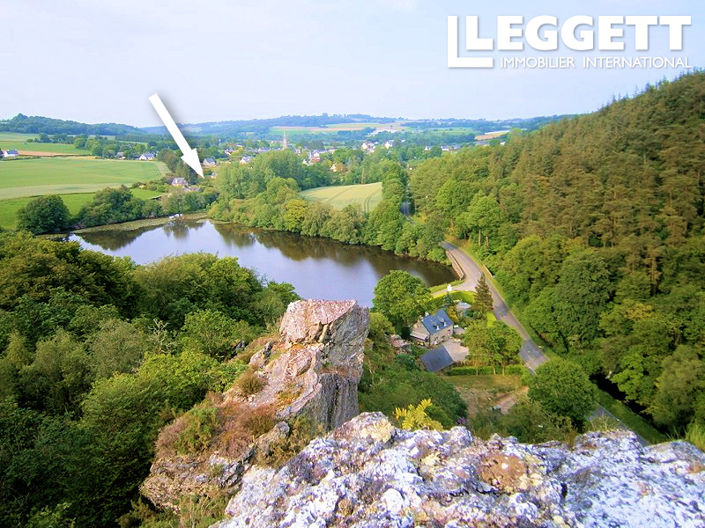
311	370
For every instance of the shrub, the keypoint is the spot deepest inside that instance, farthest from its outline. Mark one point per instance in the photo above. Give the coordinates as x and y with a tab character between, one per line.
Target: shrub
696	435
198	427
249	383
516	369
302	431
414	417
259	421
602	422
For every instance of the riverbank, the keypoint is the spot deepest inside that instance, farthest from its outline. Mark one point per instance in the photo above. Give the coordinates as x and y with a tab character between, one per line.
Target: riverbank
139	224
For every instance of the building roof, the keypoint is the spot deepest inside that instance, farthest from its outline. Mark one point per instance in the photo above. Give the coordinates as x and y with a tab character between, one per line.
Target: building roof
179	181
437	322
437	359
13	152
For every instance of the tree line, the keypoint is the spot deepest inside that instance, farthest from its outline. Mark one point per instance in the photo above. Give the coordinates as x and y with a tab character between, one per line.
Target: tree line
266	194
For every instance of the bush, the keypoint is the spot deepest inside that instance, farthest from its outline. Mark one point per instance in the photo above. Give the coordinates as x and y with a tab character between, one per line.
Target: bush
260	421
249	383
517	369
197	428
302	431
562	388
696	435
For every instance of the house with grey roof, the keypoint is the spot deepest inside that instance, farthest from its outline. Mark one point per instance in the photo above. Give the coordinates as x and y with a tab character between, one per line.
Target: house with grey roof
437	359
179	182
10	154
433	329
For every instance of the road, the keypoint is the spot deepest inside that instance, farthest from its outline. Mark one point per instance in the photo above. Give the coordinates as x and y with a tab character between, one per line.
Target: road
531	355
470	272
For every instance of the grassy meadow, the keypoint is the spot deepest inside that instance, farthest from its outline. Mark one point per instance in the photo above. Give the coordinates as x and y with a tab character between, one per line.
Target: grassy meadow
16	141
366	195
34	177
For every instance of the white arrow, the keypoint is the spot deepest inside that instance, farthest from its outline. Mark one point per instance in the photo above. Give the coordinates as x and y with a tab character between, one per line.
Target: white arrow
190	156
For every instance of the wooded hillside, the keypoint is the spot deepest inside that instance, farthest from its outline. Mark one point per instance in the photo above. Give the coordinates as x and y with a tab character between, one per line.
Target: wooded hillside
594	228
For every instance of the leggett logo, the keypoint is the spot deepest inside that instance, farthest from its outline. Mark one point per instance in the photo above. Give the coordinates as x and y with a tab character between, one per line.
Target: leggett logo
577	33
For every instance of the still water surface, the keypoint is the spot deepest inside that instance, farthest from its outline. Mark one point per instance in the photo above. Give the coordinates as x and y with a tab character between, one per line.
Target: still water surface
318	268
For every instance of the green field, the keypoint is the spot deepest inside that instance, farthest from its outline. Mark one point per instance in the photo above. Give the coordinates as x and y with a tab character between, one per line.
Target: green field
34	177
367	195
74	202
13	140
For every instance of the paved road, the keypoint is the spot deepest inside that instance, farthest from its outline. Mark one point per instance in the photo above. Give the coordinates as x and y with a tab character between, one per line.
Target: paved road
530	353
470	272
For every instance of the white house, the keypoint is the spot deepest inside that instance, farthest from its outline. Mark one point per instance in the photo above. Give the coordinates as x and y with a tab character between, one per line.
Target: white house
179	182
368	146
10	153
147	156
209	162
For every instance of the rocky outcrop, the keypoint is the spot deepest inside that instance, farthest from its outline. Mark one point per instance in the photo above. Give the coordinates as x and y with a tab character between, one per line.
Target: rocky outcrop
311	370
367	473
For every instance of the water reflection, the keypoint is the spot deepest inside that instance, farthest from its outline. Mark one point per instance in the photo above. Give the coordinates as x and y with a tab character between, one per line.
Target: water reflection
318	268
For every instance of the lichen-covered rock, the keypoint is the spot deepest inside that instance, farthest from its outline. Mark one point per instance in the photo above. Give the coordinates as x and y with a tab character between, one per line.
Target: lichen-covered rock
312	370
367	473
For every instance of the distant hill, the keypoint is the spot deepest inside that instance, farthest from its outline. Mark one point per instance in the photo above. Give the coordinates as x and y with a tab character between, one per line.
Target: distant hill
47	125
231	128
234	128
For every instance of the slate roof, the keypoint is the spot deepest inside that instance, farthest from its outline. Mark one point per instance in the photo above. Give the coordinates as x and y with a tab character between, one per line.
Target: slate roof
437	322
437	359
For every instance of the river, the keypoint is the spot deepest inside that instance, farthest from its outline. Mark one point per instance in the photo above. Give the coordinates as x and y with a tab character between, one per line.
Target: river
318	268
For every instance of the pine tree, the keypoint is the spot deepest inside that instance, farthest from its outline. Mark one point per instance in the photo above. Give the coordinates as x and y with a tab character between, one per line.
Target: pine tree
483	297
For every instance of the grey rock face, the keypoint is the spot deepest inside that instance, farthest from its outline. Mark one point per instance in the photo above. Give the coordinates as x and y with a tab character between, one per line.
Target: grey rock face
367	473
313	370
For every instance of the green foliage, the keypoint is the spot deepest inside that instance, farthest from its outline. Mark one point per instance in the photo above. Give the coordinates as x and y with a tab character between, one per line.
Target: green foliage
496	345
414	417
98	355
695	434
215	334
562	388
197	427
44	214
679	387
401	297
482	302
301	431
529	421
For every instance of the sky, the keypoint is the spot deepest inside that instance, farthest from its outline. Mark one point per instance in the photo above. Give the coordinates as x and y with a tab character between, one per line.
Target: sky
216	60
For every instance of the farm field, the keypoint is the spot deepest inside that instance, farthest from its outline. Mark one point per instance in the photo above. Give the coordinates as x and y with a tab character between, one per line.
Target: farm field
16	141
338	127
366	195
34	177
74	202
